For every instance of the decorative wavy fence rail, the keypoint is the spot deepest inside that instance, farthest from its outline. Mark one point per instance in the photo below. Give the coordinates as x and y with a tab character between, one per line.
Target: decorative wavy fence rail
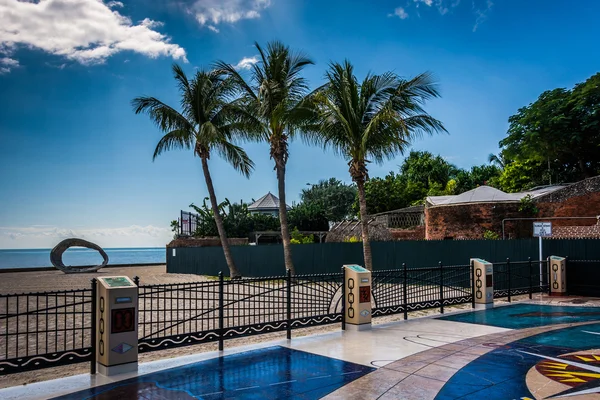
48	329
40	330
513	278
191	313
411	289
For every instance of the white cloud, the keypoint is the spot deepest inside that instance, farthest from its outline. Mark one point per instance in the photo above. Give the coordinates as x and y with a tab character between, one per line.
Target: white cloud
87	31
482	13
49	236
246	63
400	13
426	2
7	64
211	13
481	9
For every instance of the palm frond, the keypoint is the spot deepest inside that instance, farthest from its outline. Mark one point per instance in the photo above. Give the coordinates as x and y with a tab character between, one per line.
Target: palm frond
236	156
176	139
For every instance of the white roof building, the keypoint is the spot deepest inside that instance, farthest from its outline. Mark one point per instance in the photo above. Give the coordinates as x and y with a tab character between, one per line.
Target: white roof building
268	204
488	194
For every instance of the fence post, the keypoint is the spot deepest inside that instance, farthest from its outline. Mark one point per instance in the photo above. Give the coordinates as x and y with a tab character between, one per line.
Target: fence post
548	275
508	273
441	288
530	279
136	280
566	269
472	284
93	335
405	291
289	303
221	330
343	299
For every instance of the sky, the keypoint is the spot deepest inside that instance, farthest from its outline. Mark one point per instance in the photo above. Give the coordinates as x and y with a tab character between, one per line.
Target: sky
76	161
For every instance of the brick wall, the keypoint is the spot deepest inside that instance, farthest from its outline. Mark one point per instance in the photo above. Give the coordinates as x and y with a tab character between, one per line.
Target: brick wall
470	221
586	205
416	233
576	232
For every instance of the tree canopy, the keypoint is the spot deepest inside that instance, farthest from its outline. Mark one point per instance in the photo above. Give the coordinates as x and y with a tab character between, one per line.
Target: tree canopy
332	196
554	139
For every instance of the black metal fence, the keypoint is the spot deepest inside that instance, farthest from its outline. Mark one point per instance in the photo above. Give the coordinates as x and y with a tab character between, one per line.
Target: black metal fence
513	278
188	222
184	314
39	330
410	289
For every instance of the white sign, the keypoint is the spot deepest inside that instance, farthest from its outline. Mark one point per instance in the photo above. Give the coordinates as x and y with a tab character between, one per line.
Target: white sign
542	229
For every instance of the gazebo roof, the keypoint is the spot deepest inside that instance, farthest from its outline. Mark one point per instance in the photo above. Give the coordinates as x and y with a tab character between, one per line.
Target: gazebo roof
267	202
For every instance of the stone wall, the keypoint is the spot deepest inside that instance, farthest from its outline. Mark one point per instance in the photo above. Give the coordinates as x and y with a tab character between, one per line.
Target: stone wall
205	242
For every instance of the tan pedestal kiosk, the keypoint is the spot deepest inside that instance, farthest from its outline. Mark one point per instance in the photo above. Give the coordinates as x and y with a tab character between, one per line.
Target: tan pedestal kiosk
117	336
558	276
484	283
357	286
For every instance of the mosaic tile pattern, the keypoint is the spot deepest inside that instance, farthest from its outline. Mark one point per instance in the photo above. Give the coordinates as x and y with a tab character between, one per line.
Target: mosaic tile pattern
520	316
270	373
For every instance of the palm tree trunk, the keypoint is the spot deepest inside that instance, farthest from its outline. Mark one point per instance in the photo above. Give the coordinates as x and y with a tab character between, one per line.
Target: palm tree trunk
285	232
362	201
233	271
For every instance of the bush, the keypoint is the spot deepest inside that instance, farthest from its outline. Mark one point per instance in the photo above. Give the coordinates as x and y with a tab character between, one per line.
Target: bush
352	239
489	235
298	238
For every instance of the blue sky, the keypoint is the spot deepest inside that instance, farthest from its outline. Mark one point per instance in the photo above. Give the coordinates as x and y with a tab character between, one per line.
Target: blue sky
75	160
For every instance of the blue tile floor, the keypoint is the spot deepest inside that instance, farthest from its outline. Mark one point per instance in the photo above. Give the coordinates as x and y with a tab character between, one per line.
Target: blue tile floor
520	316
568	356
270	373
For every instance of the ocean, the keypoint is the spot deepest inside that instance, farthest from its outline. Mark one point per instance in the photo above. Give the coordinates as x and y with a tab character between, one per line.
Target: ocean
29	258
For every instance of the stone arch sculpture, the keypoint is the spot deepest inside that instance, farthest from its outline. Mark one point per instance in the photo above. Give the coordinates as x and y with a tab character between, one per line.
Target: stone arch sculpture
59	249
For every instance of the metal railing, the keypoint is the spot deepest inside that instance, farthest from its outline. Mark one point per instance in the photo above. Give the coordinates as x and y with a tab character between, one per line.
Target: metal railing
512	278
183	314
47	329
188	223
39	330
410	289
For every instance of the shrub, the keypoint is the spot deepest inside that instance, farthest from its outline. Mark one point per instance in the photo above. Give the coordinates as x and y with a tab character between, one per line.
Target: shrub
490	235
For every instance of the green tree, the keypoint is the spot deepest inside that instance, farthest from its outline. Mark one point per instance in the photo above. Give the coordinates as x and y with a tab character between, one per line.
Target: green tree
372	120
425	168
383	194
206	123
274	96
308	217
559	130
332	196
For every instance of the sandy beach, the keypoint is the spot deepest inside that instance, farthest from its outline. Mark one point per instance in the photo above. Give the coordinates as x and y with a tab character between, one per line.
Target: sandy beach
39	281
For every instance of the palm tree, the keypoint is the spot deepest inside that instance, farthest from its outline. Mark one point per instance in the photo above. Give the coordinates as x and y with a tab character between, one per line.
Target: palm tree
207	123
370	121
274	95
497	160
